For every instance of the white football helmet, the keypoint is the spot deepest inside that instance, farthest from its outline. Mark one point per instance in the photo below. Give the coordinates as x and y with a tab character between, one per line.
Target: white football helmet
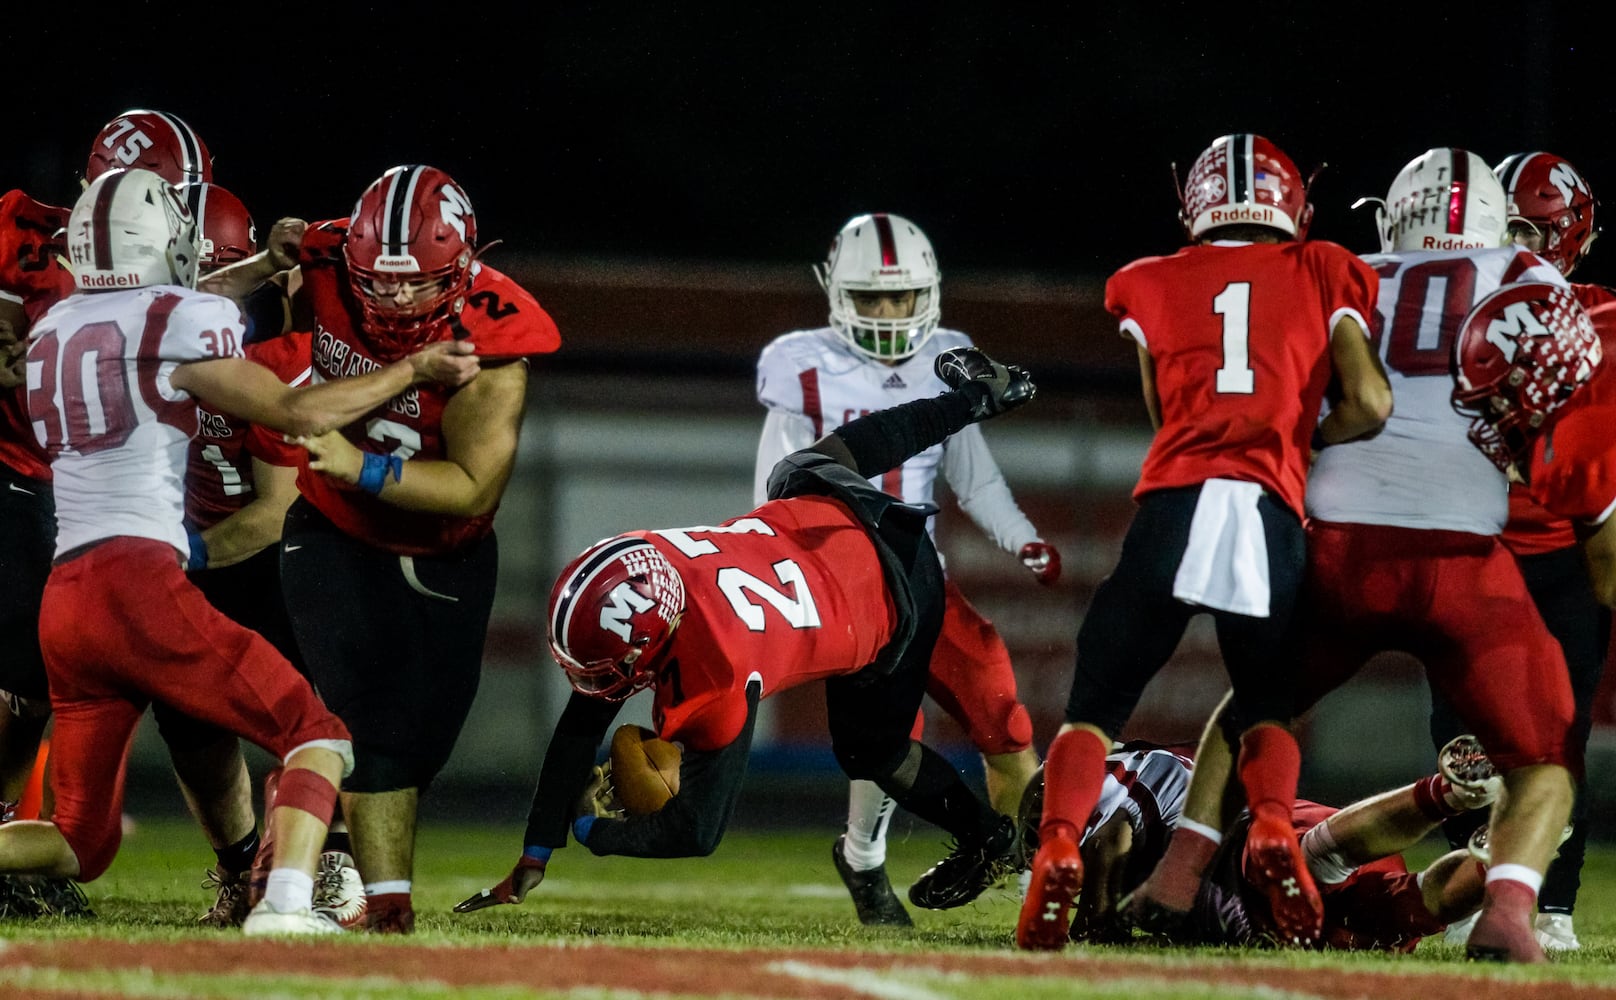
131	229
1444	199
882	253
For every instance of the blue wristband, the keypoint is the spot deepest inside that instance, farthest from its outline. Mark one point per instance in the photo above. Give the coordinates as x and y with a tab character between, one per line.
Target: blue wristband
373	473
199	552
535	853
581	827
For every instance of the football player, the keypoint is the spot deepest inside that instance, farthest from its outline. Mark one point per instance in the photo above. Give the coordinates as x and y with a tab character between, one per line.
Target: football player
1371	899
1551	212
1402	538
388	557
119	622
878	350
1238	335
831	579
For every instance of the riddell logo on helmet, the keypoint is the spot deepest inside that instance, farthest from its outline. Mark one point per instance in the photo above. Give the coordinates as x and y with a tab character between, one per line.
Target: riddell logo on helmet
398	264
130	280
1451	243
1260	214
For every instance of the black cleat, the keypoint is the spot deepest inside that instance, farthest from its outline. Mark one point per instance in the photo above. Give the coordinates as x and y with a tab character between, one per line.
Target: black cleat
968	872
877	904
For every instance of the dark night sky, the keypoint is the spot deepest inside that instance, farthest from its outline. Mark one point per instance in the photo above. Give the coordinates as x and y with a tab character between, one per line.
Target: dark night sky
1020	141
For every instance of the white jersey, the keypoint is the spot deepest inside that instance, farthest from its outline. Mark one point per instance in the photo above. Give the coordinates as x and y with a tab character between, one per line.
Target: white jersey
813	382
1149	787
115	430
1421	471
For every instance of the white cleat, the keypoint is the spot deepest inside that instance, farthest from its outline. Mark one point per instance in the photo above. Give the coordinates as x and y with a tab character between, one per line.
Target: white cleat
1554	932
265	919
339	893
1474	780
1458	932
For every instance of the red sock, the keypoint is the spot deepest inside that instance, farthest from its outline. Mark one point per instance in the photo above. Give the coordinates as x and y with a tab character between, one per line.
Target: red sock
1430	797
1270	764
1177	877
1074	772
1505	895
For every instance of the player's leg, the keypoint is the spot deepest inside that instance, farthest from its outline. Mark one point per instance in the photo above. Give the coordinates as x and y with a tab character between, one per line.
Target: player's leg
972	680
1559	585
1132	626
1491	646
27	509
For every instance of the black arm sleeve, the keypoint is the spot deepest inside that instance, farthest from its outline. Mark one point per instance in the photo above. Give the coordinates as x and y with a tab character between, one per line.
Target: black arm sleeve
887	438
567	763
265	309
693	822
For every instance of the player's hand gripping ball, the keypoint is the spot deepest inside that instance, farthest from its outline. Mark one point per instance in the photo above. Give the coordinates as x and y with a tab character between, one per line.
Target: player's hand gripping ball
645	770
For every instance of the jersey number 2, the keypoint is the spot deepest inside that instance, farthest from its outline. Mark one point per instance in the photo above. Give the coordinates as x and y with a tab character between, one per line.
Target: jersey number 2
1234	305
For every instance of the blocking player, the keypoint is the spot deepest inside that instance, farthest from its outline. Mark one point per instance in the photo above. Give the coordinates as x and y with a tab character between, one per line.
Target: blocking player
1403	546
1551	212
119	622
878	351
1239	335
831	579
388	557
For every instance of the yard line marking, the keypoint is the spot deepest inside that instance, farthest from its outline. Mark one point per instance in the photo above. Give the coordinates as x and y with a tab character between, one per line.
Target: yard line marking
861	980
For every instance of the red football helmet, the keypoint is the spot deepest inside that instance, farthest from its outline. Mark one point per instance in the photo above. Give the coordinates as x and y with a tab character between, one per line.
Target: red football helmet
1520	355
1243	179
612	613
227	231
155	140
410	246
1549	193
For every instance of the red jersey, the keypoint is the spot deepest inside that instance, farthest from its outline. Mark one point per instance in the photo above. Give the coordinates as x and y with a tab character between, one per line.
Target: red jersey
1573	465
502	320
32	274
1532	529
1239	336
219	470
790	593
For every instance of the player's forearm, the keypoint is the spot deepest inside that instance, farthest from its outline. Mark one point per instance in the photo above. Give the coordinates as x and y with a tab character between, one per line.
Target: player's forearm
1354	417
316	409
567	763
245	533
693	821
445	487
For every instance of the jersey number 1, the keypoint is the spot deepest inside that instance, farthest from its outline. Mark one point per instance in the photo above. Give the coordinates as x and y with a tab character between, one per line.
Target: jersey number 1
1234	305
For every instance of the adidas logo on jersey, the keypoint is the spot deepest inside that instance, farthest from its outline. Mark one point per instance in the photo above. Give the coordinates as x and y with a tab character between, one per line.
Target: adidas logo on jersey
894	382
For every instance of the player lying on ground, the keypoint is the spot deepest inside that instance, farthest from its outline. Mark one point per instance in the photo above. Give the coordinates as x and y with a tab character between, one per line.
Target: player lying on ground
1371	899
830	580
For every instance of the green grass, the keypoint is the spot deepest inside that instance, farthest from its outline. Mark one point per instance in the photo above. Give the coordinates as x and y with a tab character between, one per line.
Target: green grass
761	890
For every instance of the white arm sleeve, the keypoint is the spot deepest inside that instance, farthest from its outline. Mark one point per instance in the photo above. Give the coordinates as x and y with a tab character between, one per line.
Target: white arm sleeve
981	491
783	433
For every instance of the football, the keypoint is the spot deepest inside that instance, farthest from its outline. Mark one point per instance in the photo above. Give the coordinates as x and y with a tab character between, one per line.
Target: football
645	770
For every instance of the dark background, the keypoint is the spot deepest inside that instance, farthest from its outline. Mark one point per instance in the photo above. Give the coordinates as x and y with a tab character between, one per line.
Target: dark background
1021	140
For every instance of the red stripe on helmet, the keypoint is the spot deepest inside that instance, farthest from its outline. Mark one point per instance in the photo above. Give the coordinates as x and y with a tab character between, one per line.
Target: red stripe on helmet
1457	190
101	220
889	244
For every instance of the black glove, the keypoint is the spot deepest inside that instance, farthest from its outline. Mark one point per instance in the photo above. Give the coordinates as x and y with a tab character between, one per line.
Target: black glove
997	387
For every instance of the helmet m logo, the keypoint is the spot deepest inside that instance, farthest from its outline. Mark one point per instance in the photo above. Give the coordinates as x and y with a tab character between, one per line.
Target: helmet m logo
1518	318
453	208
1566	181
626	602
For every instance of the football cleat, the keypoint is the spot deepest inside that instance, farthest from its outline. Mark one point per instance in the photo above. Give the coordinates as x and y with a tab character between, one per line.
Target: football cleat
230	906
1481	847
873	898
1501	935
1554	932
1057	878
1475	782
1274	866
339	892
968	870
266	920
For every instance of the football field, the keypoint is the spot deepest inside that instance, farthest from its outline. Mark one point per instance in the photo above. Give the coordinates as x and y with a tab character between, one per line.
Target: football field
764	917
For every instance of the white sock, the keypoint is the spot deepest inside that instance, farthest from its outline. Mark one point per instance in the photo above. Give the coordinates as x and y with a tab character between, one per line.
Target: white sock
1324	858
382	888
1533	880
868	813
288	890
